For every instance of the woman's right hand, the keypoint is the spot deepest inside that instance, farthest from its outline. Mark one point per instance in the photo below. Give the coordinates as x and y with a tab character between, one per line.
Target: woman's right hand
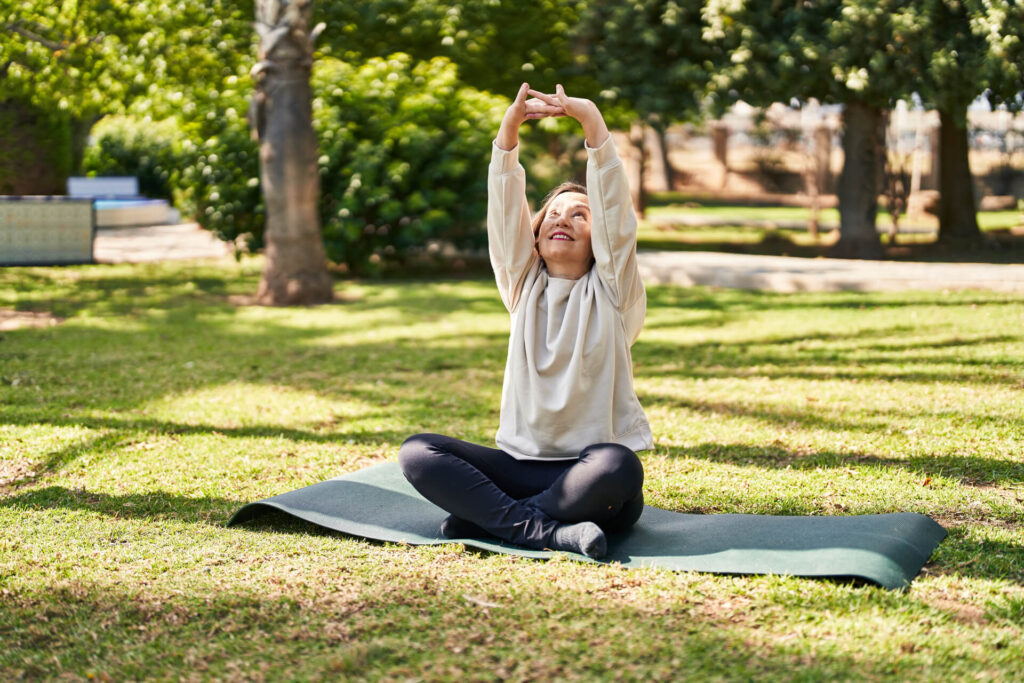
519	111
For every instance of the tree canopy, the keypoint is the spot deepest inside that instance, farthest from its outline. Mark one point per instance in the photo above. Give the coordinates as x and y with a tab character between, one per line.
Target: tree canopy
866	54
68	57
660	61
646	56
496	44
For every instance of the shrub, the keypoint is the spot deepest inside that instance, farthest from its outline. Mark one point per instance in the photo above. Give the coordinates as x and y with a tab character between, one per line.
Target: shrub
203	160
219	180
121	145
404	151
35	157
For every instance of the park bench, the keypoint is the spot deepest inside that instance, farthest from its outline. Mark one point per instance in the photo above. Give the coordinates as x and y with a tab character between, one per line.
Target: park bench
118	203
109	187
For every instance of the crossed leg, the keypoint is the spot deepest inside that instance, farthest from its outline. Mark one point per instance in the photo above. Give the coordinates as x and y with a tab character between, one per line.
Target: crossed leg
525	501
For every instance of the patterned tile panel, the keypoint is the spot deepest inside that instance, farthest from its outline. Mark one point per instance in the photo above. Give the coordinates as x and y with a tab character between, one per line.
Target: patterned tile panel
45	230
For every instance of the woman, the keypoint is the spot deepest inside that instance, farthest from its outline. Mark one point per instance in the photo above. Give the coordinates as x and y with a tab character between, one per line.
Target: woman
565	470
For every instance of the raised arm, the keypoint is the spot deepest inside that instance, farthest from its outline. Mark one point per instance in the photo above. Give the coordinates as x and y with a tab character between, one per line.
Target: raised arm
613	224
509	237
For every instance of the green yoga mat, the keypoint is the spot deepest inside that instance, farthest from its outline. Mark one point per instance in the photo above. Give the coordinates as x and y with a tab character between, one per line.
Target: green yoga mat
889	550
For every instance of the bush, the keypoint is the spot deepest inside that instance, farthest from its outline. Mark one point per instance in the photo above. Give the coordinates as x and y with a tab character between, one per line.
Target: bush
202	160
219	181
404	151
125	146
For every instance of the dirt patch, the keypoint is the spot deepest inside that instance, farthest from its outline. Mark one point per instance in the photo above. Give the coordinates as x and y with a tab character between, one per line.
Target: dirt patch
241	300
11	319
961	611
953	519
14	472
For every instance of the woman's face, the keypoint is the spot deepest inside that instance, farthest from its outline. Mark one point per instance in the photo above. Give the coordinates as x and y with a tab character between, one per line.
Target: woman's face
563	240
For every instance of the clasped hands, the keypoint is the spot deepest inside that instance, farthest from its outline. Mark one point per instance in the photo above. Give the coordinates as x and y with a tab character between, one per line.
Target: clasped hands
533	104
542	105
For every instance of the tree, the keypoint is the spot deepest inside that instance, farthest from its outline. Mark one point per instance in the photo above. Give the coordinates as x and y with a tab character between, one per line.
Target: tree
295	270
854	52
966	48
496	44
64	62
74	62
649	59
1004	21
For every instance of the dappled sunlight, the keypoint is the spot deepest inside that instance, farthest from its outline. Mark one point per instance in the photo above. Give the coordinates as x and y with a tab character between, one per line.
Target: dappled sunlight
390	329
119	290
932	434
235	405
729	477
882	408
927	347
136	428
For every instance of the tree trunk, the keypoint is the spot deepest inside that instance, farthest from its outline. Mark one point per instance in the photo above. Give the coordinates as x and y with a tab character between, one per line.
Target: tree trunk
720	147
670	173
858	183
814	191
958	220
295	269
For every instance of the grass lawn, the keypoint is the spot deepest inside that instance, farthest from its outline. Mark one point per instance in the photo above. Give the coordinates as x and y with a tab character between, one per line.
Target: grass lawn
987	220
752	232
159	402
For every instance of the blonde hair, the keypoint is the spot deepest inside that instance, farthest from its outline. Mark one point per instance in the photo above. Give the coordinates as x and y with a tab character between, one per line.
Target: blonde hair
568	186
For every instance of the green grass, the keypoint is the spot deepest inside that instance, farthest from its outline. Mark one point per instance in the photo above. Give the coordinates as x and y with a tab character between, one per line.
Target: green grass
773	230
740	214
781	230
987	220
134	428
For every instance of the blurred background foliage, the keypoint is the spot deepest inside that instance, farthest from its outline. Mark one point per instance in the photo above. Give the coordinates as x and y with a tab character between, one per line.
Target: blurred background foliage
409	92
402	145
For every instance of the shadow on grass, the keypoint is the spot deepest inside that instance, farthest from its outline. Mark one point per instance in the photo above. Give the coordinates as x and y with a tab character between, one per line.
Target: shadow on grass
998	246
187	337
127	432
159	505
102	290
742	301
156	286
964	554
278	522
875	421
787	357
97	378
151	505
252	632
968	470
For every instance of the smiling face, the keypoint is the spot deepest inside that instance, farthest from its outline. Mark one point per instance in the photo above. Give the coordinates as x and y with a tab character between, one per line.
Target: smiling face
563	239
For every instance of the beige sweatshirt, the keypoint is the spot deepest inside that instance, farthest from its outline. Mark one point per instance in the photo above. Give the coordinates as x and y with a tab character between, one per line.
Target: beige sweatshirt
569	374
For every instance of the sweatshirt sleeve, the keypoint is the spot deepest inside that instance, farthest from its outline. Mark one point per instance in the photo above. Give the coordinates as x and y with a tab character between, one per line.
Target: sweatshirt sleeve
613	235
509	237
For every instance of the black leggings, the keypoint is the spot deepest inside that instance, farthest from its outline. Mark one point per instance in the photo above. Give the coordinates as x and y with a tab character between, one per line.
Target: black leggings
522	501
